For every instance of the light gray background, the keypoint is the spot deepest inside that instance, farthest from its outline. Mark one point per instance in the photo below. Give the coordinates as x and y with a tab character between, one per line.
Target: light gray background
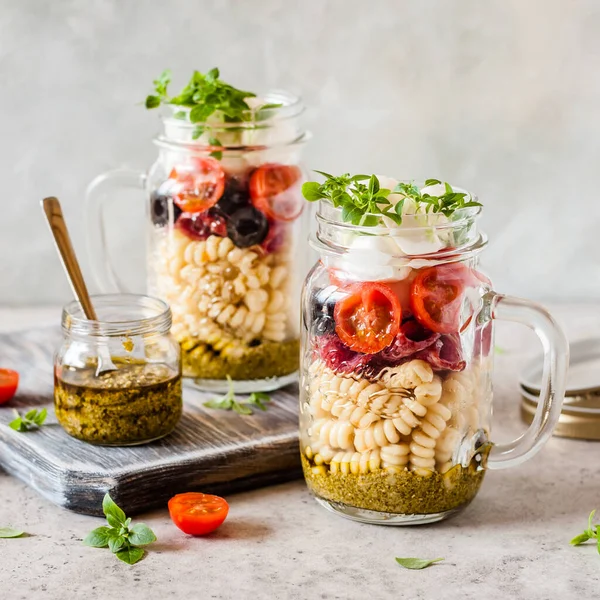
501	97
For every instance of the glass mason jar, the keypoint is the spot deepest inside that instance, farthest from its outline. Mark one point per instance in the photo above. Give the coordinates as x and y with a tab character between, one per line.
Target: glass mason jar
226	242
396	368
141	400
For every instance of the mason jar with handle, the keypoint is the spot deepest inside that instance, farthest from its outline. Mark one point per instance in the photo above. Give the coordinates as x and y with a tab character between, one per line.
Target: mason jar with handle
397	356
226	241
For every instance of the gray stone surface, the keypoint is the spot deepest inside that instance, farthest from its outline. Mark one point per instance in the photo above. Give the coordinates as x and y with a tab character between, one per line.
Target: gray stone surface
500	97
512	542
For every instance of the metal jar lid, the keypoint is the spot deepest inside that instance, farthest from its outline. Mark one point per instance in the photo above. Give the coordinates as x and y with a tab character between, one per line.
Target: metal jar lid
580	416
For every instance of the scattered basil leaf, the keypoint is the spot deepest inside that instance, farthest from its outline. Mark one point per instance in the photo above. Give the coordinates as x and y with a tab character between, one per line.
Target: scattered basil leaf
32	419
417	563
591	533
111	509
141	535
98	538
122	539
580	539
130	555
230	402
9	532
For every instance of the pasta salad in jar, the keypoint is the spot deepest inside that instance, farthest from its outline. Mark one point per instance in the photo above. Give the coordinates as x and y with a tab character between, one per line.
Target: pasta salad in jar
226	230
396	363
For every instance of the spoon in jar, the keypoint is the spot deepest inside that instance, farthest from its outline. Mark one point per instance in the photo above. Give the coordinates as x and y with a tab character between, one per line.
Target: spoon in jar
58	228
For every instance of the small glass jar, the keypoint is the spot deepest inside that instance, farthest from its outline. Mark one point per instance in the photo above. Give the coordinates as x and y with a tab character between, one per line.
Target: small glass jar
396	367
141	400
227	226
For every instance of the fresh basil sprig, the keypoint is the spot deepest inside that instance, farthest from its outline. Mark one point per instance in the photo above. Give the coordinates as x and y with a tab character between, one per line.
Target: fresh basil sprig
591	533
242	407
417	563
32	419
120	537
364	203
204	95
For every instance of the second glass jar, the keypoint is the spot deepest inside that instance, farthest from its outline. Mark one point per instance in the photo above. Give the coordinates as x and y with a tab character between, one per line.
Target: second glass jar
226	241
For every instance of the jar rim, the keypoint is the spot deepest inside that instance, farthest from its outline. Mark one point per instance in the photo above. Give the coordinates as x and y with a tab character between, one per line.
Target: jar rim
292	107
155	316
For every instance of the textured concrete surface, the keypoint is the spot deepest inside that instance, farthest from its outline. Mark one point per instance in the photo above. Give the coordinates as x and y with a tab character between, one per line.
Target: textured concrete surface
501	97
512	542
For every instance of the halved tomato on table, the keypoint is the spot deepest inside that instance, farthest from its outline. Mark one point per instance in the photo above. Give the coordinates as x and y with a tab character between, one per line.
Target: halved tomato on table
197	185
436	296
196	513
274	190
368	318
9	381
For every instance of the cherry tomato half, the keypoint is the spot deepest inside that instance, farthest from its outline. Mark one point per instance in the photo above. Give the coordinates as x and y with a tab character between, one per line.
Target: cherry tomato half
436	296
9	380
274	190
197	185
197	514
368	318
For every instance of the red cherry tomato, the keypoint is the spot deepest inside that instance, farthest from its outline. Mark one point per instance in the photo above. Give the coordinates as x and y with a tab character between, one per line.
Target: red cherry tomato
197	185
368	318
275	190
9	381
436	296
197	514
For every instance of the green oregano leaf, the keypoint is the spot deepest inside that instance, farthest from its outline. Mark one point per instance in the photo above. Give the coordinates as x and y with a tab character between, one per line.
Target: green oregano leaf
580	539
417	563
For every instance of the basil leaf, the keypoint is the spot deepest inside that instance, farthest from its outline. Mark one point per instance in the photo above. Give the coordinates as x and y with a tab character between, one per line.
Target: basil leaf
590	520
9	532
98	538
116	543
130	555
429	182
18	425
598	546
417	563
41	417
152	102
580	539
141	534
241	409
311	190
111	509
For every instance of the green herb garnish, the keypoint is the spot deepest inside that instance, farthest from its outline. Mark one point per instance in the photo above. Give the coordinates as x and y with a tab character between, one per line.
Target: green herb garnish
32	419
591	533
242	407
204	95
9	532
119	536
363	201
417	563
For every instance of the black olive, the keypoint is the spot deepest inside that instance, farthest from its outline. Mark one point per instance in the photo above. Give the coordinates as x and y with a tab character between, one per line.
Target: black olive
235	196
247	227
323	305
160	206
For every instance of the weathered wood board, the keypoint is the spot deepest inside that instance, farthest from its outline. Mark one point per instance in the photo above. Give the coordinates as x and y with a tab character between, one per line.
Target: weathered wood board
211	450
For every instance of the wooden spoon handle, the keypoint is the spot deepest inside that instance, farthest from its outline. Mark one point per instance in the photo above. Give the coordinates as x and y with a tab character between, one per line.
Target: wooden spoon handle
59	230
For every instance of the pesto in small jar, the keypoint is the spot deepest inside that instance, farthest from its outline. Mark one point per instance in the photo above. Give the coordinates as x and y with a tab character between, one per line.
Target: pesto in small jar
141	400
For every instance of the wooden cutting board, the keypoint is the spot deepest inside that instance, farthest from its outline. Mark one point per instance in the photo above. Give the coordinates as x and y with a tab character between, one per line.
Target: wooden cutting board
210	450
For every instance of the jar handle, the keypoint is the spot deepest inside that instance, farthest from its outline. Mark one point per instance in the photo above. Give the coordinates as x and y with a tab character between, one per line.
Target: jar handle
554	374
98	192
